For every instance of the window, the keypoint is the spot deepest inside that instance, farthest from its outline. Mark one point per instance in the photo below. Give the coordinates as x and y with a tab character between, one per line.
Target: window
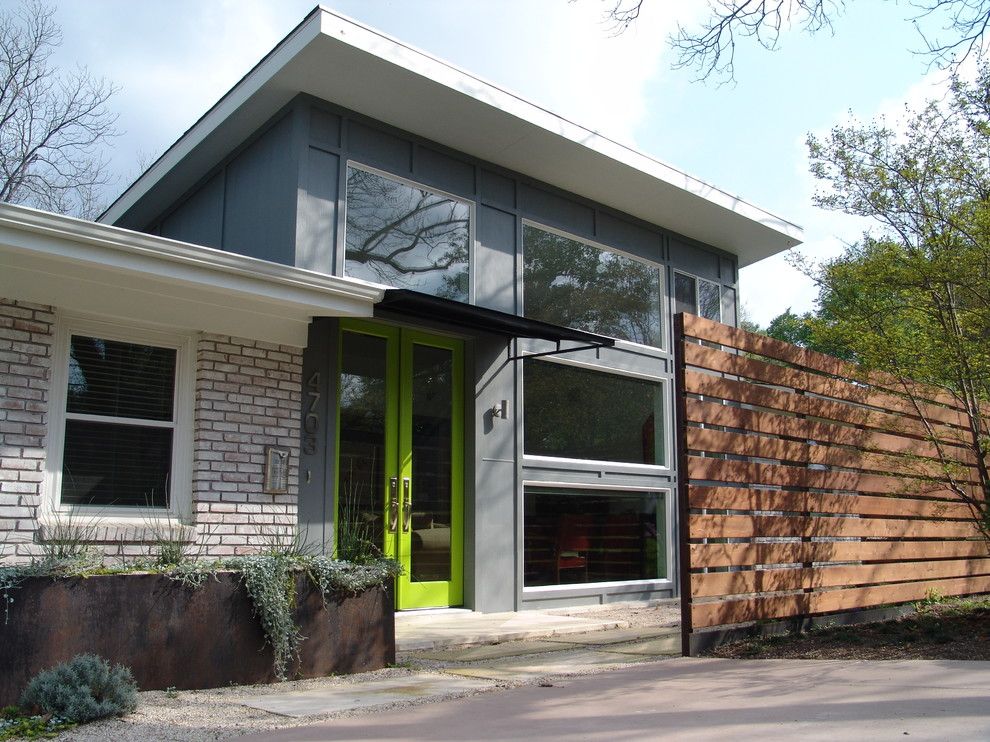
576	284
124	403
705	298
578	413
406	236
579	536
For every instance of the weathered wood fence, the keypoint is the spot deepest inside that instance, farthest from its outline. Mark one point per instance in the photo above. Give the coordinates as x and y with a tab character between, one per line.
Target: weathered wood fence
804	491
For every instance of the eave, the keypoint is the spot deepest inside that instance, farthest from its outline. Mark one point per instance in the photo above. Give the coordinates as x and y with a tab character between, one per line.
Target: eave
392	82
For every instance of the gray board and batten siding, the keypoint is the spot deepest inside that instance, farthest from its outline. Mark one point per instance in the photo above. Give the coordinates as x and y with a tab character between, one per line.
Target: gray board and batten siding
280	197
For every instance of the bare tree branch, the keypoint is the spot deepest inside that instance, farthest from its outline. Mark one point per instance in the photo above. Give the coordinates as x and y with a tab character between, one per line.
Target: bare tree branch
53	125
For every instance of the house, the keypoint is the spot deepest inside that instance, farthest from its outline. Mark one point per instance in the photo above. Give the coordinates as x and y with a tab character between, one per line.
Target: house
373	298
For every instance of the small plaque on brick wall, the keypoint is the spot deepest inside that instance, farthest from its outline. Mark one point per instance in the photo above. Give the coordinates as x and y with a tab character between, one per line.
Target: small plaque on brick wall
276	470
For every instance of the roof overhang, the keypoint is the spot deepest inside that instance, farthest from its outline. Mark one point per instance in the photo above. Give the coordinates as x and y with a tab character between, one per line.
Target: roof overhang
96	269
351	65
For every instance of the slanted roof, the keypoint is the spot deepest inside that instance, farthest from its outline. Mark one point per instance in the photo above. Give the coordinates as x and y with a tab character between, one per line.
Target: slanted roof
339	60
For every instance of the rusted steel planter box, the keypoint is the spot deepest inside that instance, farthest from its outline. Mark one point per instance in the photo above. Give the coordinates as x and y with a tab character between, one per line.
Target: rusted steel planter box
174	636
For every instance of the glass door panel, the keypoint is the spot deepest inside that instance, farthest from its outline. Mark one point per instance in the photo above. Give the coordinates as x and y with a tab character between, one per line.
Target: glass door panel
432	382
431	442
366	442
400	458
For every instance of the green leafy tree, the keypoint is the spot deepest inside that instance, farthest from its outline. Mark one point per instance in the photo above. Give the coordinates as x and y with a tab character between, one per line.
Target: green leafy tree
912	299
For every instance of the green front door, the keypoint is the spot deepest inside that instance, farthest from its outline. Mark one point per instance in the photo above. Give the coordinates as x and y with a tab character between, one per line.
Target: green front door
400	457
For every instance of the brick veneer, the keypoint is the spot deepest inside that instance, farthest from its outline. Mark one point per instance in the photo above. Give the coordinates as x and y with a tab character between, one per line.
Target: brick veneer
25	370
247	397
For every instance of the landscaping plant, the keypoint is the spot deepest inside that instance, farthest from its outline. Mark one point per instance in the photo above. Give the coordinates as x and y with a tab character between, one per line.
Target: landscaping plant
83	689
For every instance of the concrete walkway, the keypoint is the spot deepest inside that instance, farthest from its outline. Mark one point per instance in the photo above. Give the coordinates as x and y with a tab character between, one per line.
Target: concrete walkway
433	629
704	699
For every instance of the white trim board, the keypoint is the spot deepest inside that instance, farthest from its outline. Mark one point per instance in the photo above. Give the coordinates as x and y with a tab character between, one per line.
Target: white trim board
98	269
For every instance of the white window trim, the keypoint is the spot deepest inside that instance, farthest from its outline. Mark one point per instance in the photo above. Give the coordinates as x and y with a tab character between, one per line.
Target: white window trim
180	485
530	459
659	583
342	264
658	266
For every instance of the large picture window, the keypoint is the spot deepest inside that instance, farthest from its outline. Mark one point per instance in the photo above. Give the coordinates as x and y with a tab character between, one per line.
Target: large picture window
579	536
575	284
406	236
119	443
578	413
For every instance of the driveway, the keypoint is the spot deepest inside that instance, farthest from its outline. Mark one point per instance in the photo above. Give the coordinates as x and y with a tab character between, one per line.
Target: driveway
704	699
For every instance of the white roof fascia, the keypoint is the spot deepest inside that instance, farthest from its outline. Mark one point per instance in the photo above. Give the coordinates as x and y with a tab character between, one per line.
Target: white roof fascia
390	81
80	266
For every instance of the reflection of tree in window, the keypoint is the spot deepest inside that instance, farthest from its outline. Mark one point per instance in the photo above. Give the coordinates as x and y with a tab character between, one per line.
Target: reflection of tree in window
405	236
698	296
577	285
578	413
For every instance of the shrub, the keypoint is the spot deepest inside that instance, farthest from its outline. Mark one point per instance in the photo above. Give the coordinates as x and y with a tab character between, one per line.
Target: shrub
82	689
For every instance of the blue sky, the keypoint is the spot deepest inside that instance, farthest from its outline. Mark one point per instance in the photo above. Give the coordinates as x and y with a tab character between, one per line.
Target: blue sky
174	59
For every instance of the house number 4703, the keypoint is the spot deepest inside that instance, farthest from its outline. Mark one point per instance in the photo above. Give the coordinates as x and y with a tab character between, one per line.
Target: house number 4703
311	422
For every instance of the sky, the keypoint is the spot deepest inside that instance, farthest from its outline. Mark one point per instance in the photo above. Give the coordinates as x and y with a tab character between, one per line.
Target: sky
173	59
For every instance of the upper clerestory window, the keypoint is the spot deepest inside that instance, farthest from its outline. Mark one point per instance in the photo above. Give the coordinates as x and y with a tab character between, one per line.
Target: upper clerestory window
406	236
581	285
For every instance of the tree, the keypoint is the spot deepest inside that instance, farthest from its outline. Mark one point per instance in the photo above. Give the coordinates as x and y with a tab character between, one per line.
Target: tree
711	48
53	124
912	300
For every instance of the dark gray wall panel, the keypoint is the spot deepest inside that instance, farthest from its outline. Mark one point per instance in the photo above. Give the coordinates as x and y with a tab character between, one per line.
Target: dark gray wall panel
493	518
260	207
496	190
199	219
379	148
691	259
316	472
556	211
316	226
495	260
629	237
728	270
324	128
443	172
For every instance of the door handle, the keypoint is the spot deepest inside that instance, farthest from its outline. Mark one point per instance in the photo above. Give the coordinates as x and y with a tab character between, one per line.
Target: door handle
406	504
393	504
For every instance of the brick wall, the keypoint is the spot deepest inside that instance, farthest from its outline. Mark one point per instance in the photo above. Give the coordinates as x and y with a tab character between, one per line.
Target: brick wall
25	370
248	396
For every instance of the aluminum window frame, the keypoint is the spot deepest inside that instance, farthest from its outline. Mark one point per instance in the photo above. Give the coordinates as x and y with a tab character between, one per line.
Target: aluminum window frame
341	261
660	267
536	460
660	583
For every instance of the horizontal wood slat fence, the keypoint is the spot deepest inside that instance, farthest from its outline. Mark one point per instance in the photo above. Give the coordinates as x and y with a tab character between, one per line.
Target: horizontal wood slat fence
805	491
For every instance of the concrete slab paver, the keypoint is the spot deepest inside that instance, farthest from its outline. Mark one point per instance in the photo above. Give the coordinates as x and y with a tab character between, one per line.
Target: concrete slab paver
617	636
489	651
364	695
425	630
558	663
659	646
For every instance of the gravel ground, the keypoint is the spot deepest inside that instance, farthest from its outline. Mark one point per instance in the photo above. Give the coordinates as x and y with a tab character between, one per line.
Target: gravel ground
216	714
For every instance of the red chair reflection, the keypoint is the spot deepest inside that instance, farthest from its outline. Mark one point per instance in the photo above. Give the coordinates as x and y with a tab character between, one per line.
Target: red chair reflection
573	544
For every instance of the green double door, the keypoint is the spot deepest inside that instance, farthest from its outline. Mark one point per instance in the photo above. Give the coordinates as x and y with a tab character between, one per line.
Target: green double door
400	457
